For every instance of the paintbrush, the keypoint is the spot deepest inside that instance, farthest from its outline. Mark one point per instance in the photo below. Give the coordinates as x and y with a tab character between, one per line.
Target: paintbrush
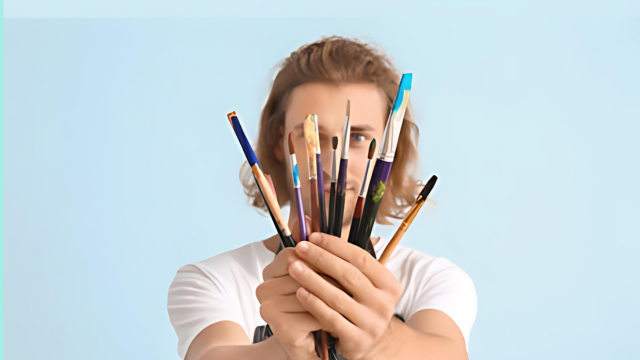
310	139
320	176
295	174
382	167
332	192
408	219
357	212
263	185
342	175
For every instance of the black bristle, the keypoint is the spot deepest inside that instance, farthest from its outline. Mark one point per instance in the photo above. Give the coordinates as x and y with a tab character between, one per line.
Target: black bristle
428	187
334	142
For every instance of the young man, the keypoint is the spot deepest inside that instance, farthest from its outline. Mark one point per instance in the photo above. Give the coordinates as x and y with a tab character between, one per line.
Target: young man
215	305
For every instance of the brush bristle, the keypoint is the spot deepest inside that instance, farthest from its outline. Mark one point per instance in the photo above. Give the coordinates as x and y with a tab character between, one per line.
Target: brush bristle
310	134
372	149
334	142
428	187
348	107
291	150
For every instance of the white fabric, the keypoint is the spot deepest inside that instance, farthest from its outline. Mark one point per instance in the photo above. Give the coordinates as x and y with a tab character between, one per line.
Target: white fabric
224	288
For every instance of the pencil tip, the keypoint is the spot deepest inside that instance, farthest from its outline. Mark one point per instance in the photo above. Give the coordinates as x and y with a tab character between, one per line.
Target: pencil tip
334	142
291	150
372	149
428	187
348	107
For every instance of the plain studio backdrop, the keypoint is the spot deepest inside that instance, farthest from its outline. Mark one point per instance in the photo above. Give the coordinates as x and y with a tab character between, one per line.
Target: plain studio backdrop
120	164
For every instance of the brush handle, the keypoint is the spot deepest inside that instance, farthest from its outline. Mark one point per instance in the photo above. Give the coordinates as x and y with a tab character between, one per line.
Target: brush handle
355	220
332	206
315	206
323	208
376	189
275	224
301	220
341	188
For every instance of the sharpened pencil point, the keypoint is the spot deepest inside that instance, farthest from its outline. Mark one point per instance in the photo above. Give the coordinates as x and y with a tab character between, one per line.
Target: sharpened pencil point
291	149
334	142
372	149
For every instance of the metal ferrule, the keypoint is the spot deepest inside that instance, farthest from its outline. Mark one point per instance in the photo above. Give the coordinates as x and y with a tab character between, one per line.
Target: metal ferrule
315	122
346	136
390	137
365	183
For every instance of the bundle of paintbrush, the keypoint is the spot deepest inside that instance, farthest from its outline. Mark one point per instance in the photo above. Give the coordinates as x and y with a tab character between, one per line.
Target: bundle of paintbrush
382	167
325	343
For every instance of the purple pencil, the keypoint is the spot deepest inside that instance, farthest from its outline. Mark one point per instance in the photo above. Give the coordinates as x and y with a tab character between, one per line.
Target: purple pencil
296	185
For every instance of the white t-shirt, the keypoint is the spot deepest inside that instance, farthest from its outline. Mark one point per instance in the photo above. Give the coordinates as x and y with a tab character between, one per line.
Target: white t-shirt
224	288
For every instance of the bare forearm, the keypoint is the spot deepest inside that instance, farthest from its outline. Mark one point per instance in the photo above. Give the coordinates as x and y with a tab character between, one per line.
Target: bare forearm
406	343
268	349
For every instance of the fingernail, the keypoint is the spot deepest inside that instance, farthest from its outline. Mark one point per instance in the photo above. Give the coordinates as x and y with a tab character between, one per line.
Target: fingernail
303	246
315	238
303	293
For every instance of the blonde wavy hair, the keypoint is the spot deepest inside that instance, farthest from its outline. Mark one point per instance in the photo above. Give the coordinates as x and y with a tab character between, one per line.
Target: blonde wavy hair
336	60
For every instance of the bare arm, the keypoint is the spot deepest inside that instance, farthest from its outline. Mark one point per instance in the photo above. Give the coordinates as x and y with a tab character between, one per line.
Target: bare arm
226	340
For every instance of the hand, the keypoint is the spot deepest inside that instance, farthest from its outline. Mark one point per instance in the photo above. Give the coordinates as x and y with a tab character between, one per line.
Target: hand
292	325
361	315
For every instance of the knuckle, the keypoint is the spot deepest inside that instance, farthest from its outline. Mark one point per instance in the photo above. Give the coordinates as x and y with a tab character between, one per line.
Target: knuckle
362	260
351	278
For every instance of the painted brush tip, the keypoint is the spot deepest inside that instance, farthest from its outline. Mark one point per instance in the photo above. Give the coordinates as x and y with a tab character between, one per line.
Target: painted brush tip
334	142
230	115
310	133
428	187
291	149
372	149
348	107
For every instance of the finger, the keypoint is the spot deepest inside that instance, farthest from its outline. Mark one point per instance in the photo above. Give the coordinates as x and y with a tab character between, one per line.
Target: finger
283	304
379	275
336	299
278	267
330	320
284	285
352	279
298	322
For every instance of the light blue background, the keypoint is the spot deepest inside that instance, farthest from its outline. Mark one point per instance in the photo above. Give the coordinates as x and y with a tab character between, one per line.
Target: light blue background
120	165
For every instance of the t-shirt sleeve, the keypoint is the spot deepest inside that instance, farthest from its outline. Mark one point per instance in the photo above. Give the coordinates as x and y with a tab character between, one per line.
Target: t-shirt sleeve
441	285
197	299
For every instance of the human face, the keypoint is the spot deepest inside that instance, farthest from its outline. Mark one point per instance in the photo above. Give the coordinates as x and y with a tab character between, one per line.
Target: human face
369	110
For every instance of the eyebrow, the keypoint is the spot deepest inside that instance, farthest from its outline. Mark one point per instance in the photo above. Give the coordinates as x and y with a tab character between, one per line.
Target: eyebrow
361	128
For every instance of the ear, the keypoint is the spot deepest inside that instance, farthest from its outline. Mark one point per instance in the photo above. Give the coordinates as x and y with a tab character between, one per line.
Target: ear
278	150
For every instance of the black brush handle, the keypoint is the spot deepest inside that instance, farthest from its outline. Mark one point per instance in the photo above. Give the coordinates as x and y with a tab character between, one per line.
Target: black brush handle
332	207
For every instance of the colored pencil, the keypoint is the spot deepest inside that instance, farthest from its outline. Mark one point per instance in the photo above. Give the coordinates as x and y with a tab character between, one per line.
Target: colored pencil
408	219
295	175
357	212
332	191
383	165
320	176
270	200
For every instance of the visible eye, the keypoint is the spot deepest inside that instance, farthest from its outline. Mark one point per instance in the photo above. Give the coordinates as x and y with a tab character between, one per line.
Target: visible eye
358	137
